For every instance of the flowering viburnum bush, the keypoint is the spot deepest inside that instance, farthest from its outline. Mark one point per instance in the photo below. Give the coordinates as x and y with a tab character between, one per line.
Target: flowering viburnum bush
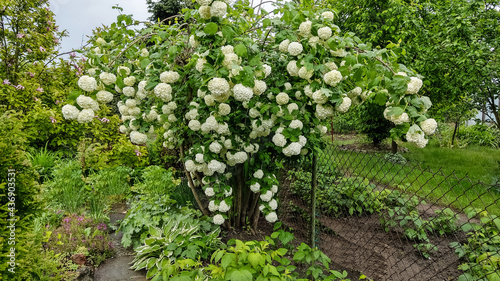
238	95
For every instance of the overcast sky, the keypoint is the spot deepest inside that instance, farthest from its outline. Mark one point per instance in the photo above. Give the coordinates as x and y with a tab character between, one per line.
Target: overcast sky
79	17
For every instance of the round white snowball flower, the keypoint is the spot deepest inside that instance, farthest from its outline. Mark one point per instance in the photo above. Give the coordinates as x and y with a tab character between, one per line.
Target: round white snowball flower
298	94
327	15
255	187
129	91
215	147
85	102
131	125
216	166
274	189
228	144
228	49
240	157
169	77
228	193
357	91
200	64
400	119
331	65
126	69
190	166
305	28
218	86
218	219
258	174
130	103
302	140
100	40
254	113
193	42
138	138
129	81
291	107
325	33
87	83
218	9
292	149
204	2
117	89
209	100
261	207
151	116
344	106
163	91
314	40
417	138
212	207
70	112
224	109
192	114
172	118
205	12
279	140
305	74
230	59
272	217
308	91
296	124
339	53
414	85
123	129
260	87
273	204
323	112
199	158
267	196
428	126
282	98
292	68
319	97
144	52
332	78
194	125
223	207
107	78
209	192
283	47
288	86
104	96
295	48
242	93
267	69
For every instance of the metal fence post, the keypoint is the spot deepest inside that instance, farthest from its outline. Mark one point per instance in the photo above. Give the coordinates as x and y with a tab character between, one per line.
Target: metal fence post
314	184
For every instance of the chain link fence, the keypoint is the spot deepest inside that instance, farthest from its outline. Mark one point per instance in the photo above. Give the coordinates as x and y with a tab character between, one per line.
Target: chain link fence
380	216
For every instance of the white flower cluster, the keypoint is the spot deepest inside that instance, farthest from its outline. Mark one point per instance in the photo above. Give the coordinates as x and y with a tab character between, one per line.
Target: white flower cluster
237	158
255	187
319	97
224	207
305	74
296	124
169	77
327	15
218	219
325	33
218	9
417	136
282	98
295	48
107	78
129	81
292	149
70	112
266	197
87	83
344	106
224	109
279	140
428	126
292	68
272	217
258	174
242	93
283	47
200	64
260	87
104	96
323	112
87	102
138	138
305	28
129	91
85	116
215	166
396	119
414	85
218	86
332	78
163	91
126	69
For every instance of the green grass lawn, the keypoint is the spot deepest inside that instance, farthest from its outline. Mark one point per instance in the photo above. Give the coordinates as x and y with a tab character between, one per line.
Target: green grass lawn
448	176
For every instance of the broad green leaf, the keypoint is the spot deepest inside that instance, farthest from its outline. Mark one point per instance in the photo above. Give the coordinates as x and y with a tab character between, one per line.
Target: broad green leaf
211	28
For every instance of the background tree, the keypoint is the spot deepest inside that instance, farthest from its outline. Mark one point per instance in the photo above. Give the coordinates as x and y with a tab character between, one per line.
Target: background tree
450	43
163	9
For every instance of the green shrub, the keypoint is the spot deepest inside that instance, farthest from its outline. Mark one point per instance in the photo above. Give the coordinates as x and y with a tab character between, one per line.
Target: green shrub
67	187
480	134
156	180
345	123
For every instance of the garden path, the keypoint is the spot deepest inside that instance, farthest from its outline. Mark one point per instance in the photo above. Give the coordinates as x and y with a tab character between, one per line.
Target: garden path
117	268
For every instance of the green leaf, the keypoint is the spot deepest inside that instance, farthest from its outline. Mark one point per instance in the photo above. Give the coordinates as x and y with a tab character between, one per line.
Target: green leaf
211	28
227	259
240	50
255	260
145	63
228	32
241	275
266	22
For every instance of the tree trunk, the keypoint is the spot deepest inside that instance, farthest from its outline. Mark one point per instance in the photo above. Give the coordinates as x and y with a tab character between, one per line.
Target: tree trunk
455	131
394	147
